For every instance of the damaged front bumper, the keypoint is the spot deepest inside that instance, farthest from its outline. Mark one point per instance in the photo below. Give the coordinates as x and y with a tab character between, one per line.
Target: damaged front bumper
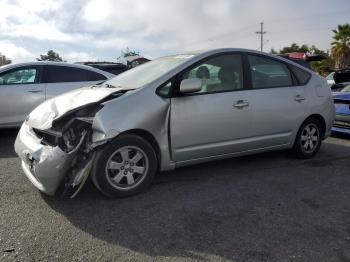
58	141
47	166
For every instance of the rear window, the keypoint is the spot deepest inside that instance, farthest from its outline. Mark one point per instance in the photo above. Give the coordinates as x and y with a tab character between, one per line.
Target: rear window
268	73
62	74
301	75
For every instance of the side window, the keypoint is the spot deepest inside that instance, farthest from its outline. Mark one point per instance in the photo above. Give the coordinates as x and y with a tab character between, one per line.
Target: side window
22	75
267	73
302	76
62	74
221	73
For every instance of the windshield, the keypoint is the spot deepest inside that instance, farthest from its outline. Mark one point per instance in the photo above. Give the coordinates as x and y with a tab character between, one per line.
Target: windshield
346	89
148	72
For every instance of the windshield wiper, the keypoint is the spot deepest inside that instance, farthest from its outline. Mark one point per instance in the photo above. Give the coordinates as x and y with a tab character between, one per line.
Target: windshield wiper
109	86
104	84
112	86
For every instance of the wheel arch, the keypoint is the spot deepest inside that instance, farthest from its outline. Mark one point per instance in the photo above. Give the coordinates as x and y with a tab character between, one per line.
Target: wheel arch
149	138
320	119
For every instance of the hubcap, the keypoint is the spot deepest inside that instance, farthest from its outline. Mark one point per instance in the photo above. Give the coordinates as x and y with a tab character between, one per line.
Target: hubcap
126	167
309	138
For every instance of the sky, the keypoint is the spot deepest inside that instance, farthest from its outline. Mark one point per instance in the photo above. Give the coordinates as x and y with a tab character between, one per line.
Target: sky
98	30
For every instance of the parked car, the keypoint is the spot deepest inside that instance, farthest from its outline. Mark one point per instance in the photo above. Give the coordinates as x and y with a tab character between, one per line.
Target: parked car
110	67
330	80
302	59
342	102
345	89
171	112
133	61
342	113
341	79
24	86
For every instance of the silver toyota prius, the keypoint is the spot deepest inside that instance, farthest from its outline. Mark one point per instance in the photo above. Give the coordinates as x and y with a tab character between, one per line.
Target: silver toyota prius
174	111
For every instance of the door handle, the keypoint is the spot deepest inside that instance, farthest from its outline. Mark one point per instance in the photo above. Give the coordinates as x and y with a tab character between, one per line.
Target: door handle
35	91
299	98
241	103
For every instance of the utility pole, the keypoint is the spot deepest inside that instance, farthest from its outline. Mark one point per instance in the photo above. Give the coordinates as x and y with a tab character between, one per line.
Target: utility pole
261	33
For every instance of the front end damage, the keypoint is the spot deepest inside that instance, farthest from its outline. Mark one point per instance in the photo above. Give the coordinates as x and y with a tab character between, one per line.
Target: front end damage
58	159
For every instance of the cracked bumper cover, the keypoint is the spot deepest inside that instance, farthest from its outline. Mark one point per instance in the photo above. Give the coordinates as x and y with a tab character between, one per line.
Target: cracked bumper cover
45	166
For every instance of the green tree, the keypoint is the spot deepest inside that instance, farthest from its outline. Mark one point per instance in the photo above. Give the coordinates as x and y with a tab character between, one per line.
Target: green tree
323	67
341	46
315	51
294	48
273	51
50	56
127	53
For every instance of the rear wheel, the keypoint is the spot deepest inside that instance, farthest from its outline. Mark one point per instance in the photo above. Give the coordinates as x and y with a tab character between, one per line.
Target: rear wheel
308	140
125	166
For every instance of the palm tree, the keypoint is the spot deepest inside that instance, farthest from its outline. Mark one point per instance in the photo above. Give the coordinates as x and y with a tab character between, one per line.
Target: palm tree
341	46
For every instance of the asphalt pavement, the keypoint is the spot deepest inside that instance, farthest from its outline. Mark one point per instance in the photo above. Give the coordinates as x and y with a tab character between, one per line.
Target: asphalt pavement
266	207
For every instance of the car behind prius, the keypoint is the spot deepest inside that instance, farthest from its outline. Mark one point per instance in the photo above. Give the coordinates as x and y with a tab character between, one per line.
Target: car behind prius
24	86
171	112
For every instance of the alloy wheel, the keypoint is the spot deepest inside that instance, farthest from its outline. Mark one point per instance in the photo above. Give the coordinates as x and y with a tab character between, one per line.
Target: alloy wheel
310	138
127	167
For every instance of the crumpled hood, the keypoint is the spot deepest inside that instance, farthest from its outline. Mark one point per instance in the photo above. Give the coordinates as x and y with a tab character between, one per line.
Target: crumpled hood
43	115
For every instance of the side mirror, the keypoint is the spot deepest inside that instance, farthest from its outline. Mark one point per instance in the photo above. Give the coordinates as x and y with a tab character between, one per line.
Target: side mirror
189	86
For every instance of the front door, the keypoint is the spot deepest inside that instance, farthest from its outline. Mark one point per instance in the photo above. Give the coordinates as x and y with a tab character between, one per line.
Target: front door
217	119
21	91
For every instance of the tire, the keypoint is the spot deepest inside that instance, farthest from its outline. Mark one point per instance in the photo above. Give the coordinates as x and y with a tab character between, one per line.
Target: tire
125	166
306	146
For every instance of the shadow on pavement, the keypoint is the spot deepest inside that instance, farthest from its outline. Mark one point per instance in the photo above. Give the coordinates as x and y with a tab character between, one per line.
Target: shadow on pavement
7	141
248	208
341	136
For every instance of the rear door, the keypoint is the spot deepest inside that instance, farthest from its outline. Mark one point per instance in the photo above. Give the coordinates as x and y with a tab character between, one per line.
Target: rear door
216	120
62	78
278	102
21	90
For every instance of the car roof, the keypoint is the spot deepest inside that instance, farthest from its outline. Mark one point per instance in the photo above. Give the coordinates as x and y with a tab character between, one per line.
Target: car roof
207	52
90	68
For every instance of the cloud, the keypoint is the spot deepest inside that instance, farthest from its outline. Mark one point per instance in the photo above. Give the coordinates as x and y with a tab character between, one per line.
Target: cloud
101	28
79	57
23	20
14	52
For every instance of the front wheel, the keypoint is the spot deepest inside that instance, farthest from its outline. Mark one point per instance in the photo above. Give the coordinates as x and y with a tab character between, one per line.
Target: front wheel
308	140
125	167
